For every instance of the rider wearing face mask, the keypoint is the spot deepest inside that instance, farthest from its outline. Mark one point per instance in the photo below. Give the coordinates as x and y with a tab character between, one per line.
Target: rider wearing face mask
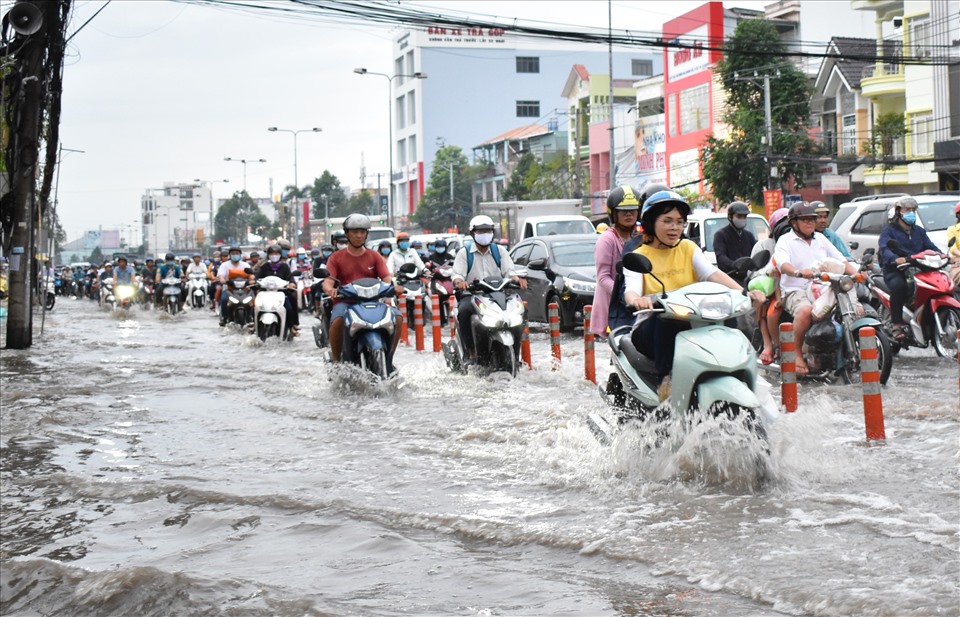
735	240
233	267
405	254
275	266
913	239
485	263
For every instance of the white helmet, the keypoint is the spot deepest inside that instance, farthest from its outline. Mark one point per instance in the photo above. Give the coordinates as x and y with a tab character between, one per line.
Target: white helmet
301	251
481	221
356	221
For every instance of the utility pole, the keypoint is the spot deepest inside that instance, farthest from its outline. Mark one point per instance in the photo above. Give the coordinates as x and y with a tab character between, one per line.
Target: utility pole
613	150
768	120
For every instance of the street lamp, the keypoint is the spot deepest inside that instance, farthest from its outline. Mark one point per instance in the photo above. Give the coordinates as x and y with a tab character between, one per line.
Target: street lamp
390	78
245	161
210	215
296	181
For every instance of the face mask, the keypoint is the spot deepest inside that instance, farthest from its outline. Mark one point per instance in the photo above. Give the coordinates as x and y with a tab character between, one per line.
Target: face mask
341	245
739	224
403	246
384	251
171	263
234	258
909	218
484	239
430	247
327	253
274	258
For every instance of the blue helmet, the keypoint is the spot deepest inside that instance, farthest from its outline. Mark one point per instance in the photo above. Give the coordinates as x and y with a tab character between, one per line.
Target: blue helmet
660	202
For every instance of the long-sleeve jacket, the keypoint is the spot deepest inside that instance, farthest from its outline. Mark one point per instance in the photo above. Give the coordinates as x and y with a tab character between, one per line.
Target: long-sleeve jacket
912	241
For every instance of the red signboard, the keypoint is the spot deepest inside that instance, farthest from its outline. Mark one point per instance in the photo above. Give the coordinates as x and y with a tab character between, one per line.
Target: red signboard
772	200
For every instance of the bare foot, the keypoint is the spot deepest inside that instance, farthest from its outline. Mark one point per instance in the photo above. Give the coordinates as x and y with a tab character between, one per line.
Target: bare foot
766	356
801	367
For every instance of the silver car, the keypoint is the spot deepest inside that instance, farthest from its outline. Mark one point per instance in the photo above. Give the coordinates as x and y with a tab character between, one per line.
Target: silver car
859	222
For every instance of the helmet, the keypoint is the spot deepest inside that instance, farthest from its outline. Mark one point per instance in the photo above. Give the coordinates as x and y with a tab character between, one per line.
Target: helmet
905	202
148	260
403	236
170	257
801	209
737	207
481	221
119	258
284	244
650	189
439	244
602	227
356	221
326	247
301	251
291	253
233	248
956	209
658	203
777	216
819	206
622	198
384	243
338	236
254	254
108	264
196	255
314	252
416	244
274	248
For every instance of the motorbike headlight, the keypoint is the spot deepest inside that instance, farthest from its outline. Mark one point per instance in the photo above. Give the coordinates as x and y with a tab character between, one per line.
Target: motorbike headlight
367	292
233	300
713	306
846	283
490	320
584	287
124	292
248	299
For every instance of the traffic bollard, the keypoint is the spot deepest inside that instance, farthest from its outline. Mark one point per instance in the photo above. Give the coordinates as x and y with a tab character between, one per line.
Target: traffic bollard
418	322
788	368
870	381
437	328
589	366
404	332
553	311
525	341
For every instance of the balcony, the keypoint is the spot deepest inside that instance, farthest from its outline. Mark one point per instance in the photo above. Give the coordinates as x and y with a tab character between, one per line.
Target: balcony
882	79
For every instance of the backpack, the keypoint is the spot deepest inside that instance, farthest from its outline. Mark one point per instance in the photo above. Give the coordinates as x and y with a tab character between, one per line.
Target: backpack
496	254
617	313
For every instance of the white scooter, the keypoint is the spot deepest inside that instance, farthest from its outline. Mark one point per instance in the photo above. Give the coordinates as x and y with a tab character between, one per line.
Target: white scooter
269	312
197	290
107	297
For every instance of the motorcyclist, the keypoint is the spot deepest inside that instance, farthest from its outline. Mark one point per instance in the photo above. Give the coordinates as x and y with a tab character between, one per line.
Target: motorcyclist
275	266
169	268
106	272
913	239
485	264
823	226
768	316
346	266
233	268
319	273
677	262
214	290
734	240
953	233
623	209
405	254
385	248
124	273
254	259
339	240
196	266
440	256
148	276
797	253
417	246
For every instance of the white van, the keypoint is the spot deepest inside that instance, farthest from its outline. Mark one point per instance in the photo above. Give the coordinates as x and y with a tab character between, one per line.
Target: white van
703	224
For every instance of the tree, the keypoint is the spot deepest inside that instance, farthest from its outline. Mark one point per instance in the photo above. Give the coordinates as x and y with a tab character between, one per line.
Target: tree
533	179
236	216
518	187
437	210
329	185
736	166
363	202
96	256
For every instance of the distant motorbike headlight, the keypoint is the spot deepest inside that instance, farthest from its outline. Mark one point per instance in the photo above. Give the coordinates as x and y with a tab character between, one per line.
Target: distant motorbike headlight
713	306
584	287
246	300
367	292
846	283
125	292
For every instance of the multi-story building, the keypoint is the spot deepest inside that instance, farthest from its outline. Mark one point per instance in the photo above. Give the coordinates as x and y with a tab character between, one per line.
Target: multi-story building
176	217
503	152
480	82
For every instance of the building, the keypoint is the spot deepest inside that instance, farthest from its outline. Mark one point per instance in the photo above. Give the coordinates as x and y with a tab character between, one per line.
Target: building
503	152
945	38
479	82
177	217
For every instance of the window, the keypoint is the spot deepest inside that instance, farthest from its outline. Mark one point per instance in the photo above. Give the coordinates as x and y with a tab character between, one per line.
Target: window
641	68
870	222
921	134
672	114
528	109
402	152
849	135
398	70
528	64
539	252
401	112
412	106
410	69
521	254
920	38
186	204
412	147
694	109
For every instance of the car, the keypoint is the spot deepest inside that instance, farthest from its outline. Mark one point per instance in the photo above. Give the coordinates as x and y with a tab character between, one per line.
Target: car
859	222
702	226
561	269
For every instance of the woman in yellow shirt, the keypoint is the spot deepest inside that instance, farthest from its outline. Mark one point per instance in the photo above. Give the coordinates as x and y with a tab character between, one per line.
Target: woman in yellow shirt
953	232
677	262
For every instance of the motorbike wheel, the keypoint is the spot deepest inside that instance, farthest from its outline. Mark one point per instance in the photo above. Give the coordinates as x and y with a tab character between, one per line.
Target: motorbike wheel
375	361
173	307
51	300
851	369
266	331
944	333
505	360
883	314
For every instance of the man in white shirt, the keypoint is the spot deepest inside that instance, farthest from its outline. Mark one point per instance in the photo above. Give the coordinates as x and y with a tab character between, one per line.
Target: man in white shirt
796	253
403	255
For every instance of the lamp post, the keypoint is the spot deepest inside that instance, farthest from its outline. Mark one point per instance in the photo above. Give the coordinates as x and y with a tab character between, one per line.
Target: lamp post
326	218
390	78
209	231
245	161
296	182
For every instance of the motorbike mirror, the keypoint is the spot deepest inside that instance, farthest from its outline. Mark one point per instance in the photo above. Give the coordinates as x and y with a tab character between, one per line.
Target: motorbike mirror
635	262
538	264
759	260
248	270
323	272
854	245
894	246
869	251
951	243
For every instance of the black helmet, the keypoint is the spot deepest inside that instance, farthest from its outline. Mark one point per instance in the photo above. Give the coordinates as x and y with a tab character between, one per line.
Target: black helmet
801	209
384	243
338	236
622	198
737	207
119	257
169	257
273	248
233	248
326	247
658	203
819	206
356	221
255	254
440	243
314	252
650	189
148	260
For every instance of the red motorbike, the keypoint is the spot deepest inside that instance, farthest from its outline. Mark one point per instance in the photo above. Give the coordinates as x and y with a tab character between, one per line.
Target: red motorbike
441	285
931	310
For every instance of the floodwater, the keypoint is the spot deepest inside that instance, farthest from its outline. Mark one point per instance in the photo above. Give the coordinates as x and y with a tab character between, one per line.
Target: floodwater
156	466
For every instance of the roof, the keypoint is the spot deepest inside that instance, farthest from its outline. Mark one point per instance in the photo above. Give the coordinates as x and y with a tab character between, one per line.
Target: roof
523	132
852	55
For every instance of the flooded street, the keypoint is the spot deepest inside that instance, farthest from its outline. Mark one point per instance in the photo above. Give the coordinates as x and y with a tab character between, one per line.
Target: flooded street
156	466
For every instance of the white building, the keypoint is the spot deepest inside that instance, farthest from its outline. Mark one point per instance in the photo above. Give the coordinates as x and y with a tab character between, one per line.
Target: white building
177	217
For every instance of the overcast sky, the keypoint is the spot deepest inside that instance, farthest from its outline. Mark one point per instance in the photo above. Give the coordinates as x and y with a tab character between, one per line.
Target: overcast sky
159	91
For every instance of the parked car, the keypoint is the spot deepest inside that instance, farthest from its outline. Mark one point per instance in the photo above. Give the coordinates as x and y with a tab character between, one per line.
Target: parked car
859	222
562	269
702	226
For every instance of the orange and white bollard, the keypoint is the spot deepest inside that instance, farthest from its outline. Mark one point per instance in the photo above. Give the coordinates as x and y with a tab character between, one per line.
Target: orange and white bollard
437	328
404	332
589	361
870	380
418	322
553	312
788	368
525	342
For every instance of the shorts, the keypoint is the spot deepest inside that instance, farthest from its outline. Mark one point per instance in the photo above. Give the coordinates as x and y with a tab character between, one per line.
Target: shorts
795	300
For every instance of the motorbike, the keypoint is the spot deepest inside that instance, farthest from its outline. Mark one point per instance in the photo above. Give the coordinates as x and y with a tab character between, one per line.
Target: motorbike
240	298
321	327
48	292
497	327
171	294
145	293
269	312
369	326
414	291
932	311
107	297
124	294
304	290
441	285
714	368
197	290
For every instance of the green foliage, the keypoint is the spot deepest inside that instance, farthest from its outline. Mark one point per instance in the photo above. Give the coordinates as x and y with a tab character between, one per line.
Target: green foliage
437	211
362	202
74	258
693	197
329	185
735	167
532	179
887	129
96	257
236	215
518	188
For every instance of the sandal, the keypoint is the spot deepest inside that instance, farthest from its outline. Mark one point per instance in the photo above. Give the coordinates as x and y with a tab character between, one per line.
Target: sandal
768	358
898	332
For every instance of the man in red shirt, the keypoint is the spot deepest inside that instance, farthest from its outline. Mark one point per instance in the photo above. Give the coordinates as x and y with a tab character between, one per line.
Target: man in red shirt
348	265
